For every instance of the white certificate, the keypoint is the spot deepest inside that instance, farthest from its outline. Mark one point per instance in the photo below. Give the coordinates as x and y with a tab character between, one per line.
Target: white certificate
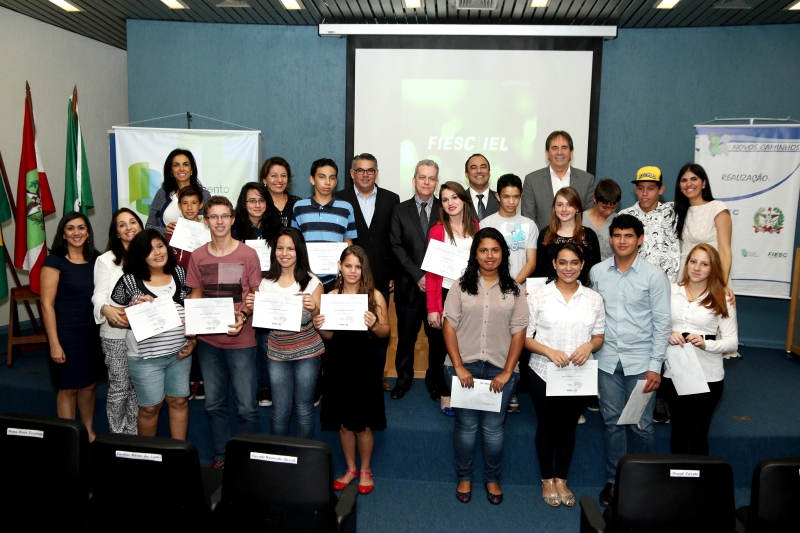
532	283
685	370
148	319
205	316
278	311
189	235
262	249
344	311
572	380
445	260
323	257
636	405
479	397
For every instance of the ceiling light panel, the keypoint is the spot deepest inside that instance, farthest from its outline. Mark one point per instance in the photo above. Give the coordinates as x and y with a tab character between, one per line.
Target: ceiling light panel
66	6
174	4
666	4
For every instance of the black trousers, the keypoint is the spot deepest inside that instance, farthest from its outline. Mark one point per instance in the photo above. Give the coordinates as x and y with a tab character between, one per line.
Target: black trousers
555	431
409	318
690	417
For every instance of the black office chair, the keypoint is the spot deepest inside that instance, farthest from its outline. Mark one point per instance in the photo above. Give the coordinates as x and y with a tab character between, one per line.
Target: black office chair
45	479
666	493
281	484
774	497
150	482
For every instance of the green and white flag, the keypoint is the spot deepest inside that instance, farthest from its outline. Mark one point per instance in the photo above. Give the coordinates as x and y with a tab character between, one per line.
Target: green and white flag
78	186
5	215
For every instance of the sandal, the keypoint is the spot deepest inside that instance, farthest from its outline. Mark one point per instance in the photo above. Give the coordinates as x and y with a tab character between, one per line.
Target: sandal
340	485
365	489
567	499
553	500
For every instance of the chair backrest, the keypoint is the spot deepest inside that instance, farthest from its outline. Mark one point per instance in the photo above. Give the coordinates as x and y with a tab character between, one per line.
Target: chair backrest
160	477
45	478
775	496
668	493
276	483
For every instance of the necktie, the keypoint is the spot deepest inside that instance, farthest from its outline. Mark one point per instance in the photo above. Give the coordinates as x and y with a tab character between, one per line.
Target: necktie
423	219
481	207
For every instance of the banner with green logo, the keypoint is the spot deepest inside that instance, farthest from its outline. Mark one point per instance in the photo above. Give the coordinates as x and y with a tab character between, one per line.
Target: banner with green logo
755	170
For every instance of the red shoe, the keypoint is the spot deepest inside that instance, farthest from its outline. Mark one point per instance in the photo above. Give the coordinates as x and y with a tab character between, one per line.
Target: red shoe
338	485
365	489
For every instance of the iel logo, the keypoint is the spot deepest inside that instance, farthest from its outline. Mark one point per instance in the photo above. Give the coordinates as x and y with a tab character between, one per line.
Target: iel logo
718	145
768	220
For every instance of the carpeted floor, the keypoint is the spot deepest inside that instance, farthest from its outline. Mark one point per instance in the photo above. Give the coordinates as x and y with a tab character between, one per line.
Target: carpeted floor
413	458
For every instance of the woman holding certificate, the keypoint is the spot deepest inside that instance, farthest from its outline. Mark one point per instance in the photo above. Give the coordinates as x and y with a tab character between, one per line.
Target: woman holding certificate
255	215
121	407
566	225
485	317
569	322
455	227
159	366
180	170
76	359
293	356
353	385
700	316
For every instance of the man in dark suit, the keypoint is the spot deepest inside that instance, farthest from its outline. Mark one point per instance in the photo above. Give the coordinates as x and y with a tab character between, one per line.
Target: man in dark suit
484	201
411	221
372	208
541	185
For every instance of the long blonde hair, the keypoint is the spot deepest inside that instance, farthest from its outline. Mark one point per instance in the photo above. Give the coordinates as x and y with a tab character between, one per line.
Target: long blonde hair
572	196
466	214
715	300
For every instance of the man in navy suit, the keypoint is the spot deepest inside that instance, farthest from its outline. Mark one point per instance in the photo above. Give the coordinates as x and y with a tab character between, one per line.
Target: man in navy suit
484	202
372	208
541	185
411	221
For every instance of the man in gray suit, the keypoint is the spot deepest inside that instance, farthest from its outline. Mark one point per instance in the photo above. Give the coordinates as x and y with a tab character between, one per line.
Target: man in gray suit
484	201
541	185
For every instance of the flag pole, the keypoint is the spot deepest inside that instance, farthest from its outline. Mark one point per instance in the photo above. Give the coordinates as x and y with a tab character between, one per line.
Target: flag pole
9	261
75	103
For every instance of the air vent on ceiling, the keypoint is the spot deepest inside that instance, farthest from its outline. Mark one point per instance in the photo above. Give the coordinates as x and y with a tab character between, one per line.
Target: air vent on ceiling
233	3
476	4
735	4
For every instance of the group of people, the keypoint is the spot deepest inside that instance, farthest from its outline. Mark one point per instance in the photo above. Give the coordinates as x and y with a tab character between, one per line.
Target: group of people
619	289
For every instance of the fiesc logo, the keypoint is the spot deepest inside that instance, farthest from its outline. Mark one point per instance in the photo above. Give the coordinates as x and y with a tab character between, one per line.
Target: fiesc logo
768	220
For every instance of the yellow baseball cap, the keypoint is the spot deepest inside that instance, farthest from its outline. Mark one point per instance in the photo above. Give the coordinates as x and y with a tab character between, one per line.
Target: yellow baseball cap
648	174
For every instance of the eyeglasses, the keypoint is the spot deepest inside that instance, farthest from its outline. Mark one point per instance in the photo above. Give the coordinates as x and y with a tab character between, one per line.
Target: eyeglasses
214	218
256	201
367	171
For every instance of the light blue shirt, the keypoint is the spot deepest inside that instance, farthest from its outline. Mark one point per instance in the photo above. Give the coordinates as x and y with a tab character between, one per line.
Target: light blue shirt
367	204
638	321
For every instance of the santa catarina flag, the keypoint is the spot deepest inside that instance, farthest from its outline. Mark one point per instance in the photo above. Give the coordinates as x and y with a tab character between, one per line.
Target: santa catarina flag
77	186
34	202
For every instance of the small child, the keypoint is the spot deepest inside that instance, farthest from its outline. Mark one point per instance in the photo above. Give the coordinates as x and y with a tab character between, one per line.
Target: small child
190	202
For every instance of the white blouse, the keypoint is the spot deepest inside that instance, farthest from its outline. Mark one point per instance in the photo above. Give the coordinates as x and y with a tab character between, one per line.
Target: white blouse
106	276
691	317
268	285
562	325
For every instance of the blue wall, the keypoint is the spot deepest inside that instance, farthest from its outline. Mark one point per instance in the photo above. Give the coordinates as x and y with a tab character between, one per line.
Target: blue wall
282	80
656	84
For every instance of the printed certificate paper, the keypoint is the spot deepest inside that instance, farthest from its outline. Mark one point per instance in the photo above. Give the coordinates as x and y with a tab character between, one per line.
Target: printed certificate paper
206	316
278	311
148	319
189	235
263	250
633	410
687	375
479	397
572	380
344	311
445	260
323	257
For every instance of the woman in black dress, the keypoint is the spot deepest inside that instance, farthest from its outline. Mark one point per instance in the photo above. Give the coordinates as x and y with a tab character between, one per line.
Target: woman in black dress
76	358
353	385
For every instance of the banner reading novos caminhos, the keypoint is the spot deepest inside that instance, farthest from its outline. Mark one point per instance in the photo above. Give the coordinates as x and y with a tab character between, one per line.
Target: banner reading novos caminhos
226	160
755	170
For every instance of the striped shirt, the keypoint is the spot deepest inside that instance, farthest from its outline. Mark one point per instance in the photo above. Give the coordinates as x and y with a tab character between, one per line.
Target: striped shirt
332	222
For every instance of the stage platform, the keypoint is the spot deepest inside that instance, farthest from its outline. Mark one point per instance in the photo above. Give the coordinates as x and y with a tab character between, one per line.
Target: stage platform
758	417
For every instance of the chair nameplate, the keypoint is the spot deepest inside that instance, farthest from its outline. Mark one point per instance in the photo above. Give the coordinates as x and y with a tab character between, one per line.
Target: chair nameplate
684	473
272	458
139	456
17	432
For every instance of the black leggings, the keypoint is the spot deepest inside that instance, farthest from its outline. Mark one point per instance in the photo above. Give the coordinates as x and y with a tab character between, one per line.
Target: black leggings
555	432
690	417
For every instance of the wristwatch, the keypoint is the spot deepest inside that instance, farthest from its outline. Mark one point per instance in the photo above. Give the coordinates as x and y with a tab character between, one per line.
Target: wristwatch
246	317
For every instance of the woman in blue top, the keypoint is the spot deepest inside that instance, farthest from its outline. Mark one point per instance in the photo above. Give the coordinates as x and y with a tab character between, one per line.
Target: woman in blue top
180	170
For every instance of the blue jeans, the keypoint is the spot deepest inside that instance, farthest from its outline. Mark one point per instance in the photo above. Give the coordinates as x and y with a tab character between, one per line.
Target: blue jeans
615	389
262	368
491	424
293	382
224	369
